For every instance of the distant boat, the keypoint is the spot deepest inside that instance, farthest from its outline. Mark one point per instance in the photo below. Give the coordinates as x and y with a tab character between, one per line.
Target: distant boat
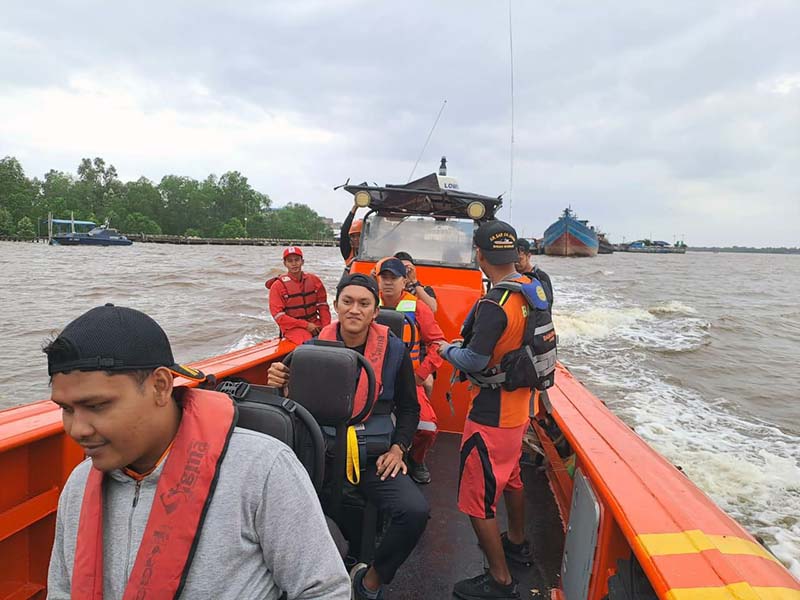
84	233
570	236
605	247
657	247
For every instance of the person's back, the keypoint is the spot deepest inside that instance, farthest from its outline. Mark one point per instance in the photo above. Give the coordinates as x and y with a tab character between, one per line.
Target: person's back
495	406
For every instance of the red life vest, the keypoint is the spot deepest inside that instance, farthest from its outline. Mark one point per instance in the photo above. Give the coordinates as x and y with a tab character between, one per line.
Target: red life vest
374	352
299	297
187	482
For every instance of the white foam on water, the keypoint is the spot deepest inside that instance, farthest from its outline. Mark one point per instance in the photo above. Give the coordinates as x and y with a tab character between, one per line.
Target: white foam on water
750	468
249	339
672	307
579	327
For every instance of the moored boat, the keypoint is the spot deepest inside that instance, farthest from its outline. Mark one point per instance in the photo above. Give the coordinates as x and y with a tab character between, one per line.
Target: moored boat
657	247
84	233
604	246
606	513
570	236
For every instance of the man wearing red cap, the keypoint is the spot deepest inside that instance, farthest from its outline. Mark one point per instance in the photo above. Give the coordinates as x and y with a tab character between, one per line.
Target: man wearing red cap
298	301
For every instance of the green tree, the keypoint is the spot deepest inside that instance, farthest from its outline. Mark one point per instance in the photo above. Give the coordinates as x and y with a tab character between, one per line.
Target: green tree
139	223
299	221
6	222
193	233
180	197
25	229
97	186
234	228
17	192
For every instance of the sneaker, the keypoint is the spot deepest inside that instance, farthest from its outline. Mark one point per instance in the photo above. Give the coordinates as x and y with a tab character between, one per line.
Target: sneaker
484	587
418	472
519	553
359	591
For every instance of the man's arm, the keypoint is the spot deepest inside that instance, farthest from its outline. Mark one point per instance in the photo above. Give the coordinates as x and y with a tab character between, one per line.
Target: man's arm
431	335
58	574
322	303
303	559
344	233
406	404
490	323
427	295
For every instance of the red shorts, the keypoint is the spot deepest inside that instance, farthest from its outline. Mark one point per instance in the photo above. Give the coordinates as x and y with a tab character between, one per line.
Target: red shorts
489	466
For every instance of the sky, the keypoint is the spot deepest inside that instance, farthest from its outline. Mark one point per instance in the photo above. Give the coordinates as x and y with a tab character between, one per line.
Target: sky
661	120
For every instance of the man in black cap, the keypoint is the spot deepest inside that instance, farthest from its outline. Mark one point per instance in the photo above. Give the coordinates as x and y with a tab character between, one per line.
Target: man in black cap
491	444
384	481
168	474
526	266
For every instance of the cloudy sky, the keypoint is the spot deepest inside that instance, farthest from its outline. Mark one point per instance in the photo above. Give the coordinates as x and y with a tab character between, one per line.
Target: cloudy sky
671	120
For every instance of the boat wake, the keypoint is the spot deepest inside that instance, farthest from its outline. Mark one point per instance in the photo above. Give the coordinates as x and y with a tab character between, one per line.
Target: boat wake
748	466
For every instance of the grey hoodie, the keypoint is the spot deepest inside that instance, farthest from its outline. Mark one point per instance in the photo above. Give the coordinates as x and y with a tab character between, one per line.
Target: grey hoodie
264	532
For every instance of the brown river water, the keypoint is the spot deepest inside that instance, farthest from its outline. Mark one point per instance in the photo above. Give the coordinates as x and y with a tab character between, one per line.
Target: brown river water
698	352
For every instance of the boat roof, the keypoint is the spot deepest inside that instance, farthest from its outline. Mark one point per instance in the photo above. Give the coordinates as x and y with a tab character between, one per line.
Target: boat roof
424	196
70	221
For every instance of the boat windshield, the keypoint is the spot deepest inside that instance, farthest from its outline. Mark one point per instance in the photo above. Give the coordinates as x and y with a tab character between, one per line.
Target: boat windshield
441	242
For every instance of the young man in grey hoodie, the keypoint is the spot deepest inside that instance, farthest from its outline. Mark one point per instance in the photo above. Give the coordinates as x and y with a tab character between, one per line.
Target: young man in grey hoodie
174	500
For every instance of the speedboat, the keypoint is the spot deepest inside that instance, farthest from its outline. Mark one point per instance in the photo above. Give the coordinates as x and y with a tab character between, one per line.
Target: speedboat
608	517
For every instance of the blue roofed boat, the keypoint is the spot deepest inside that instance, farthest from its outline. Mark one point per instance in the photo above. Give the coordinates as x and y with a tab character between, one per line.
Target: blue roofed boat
83	233
570	236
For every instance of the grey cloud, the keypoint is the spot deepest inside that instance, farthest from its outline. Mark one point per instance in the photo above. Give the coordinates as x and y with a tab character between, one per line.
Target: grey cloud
627	106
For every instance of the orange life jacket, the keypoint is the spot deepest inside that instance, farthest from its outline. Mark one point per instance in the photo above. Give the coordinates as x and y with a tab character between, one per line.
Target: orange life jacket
374	352
300	297
186	483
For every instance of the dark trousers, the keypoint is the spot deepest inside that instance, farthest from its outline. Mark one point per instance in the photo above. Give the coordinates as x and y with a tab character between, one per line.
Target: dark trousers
409	511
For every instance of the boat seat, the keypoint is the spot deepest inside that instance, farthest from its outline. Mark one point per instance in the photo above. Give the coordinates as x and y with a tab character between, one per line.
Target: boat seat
261	408
331	367
396	322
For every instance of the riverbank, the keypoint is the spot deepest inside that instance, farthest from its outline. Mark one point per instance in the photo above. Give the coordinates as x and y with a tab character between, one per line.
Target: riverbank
198	241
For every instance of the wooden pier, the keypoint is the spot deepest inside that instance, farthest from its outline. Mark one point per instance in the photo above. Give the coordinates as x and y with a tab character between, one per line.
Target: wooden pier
182	239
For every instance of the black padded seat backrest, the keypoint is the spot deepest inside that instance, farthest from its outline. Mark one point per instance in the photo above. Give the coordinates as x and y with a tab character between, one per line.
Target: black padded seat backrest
323	380
261	408
393	319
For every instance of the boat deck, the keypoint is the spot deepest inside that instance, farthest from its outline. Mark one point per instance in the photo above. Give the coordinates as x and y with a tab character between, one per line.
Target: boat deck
448	550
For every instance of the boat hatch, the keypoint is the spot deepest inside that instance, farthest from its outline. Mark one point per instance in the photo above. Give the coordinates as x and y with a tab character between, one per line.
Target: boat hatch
581	542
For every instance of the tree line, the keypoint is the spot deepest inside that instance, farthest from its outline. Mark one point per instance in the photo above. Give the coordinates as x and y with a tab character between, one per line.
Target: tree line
225	206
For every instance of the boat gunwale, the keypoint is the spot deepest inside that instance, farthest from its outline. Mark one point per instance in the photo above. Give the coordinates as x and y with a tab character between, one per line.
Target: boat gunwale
589	439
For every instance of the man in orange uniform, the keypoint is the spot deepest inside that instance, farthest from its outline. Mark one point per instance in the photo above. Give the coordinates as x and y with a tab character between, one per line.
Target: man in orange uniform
350	238
298	301
491	444
426	337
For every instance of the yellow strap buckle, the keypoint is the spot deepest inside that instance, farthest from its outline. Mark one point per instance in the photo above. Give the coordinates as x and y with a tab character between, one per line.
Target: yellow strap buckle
353	467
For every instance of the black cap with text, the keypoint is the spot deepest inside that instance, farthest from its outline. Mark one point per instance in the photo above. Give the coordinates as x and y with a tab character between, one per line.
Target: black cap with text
498	242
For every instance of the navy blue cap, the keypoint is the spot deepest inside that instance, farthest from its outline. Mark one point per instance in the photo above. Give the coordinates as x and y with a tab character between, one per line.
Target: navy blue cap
393	265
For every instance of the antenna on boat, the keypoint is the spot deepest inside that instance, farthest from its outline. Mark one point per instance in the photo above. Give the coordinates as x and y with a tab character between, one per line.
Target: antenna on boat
427	140
511	170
